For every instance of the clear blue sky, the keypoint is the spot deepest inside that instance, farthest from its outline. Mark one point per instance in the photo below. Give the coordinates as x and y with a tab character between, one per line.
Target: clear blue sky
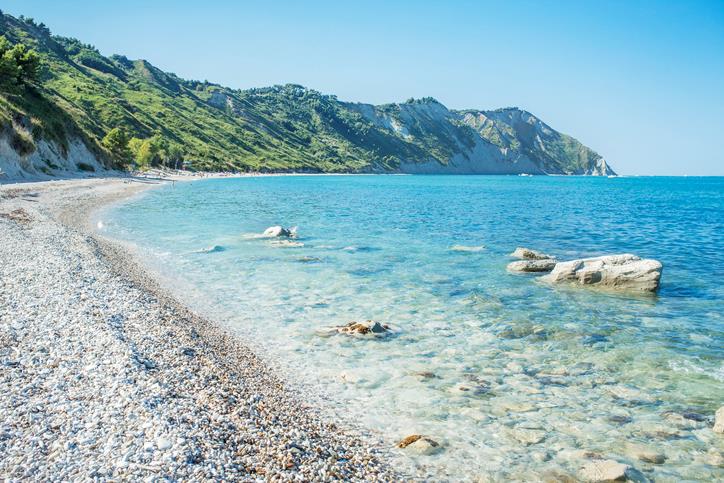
641	82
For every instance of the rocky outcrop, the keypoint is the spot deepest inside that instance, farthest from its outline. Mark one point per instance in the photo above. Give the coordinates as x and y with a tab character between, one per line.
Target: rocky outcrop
528	254
619	272
44	160
503	141
532	266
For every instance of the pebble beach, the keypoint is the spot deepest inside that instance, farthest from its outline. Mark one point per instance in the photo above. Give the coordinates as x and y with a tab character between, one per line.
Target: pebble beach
104	376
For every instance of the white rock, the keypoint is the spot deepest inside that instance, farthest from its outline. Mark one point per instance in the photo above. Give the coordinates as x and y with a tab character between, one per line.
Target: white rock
280	231
532	265
420	444
604	470
622	272
528	254
719	421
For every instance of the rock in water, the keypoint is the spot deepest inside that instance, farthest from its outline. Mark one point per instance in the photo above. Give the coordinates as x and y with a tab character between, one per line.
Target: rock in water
545	265
528	254
621	272
719	421
280	231
528	436
420	444
646	454
286	244
364	328
211	249
604	470
465	248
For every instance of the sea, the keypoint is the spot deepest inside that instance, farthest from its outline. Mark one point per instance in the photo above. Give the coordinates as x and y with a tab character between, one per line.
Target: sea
514	378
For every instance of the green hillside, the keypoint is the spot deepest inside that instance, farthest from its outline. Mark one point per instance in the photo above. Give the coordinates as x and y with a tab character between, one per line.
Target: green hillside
81	93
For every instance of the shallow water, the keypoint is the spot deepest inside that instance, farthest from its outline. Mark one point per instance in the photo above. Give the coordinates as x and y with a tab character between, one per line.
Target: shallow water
510	360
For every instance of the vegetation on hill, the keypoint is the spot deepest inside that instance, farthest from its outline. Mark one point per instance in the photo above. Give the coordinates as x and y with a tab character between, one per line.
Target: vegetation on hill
130	112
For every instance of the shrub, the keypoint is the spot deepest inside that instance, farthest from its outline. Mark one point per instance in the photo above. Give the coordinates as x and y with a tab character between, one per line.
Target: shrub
85	167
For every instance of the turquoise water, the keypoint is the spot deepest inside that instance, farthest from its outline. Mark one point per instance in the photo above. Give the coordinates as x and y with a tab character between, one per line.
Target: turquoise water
511	360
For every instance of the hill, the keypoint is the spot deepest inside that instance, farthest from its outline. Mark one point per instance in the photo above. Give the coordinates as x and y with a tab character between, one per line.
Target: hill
57	124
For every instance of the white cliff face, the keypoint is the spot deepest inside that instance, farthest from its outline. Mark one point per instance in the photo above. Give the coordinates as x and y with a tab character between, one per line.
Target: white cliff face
482	158
47	161
505	141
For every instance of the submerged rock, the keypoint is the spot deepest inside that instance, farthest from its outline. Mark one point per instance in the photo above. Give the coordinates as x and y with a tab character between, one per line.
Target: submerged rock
719	421
528	436
621	272
420	444
604	470
280	231
465	248
645	454
211	249
528	254
426	375
472	389
714	457
286	244
545	265
364	328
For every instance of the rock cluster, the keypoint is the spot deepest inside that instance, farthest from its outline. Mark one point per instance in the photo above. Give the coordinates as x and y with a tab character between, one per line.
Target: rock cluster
531	261
622	272
364	328
618	272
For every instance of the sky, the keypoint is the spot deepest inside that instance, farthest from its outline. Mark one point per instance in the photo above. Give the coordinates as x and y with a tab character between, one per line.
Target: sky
640	82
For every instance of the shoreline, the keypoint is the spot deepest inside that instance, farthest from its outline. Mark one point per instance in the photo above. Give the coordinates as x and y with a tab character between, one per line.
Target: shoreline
127	382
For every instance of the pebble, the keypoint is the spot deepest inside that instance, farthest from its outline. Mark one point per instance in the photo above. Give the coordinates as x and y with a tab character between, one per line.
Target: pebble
163	444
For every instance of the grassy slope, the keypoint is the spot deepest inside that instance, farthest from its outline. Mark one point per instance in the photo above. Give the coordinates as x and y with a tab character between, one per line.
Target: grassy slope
277	128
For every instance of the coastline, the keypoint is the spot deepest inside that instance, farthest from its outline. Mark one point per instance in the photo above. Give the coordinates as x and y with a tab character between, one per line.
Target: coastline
108	376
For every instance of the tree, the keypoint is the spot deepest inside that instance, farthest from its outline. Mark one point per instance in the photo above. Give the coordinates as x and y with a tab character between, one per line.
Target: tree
28	61
19	65
8	68
116	141
134	146
174	155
